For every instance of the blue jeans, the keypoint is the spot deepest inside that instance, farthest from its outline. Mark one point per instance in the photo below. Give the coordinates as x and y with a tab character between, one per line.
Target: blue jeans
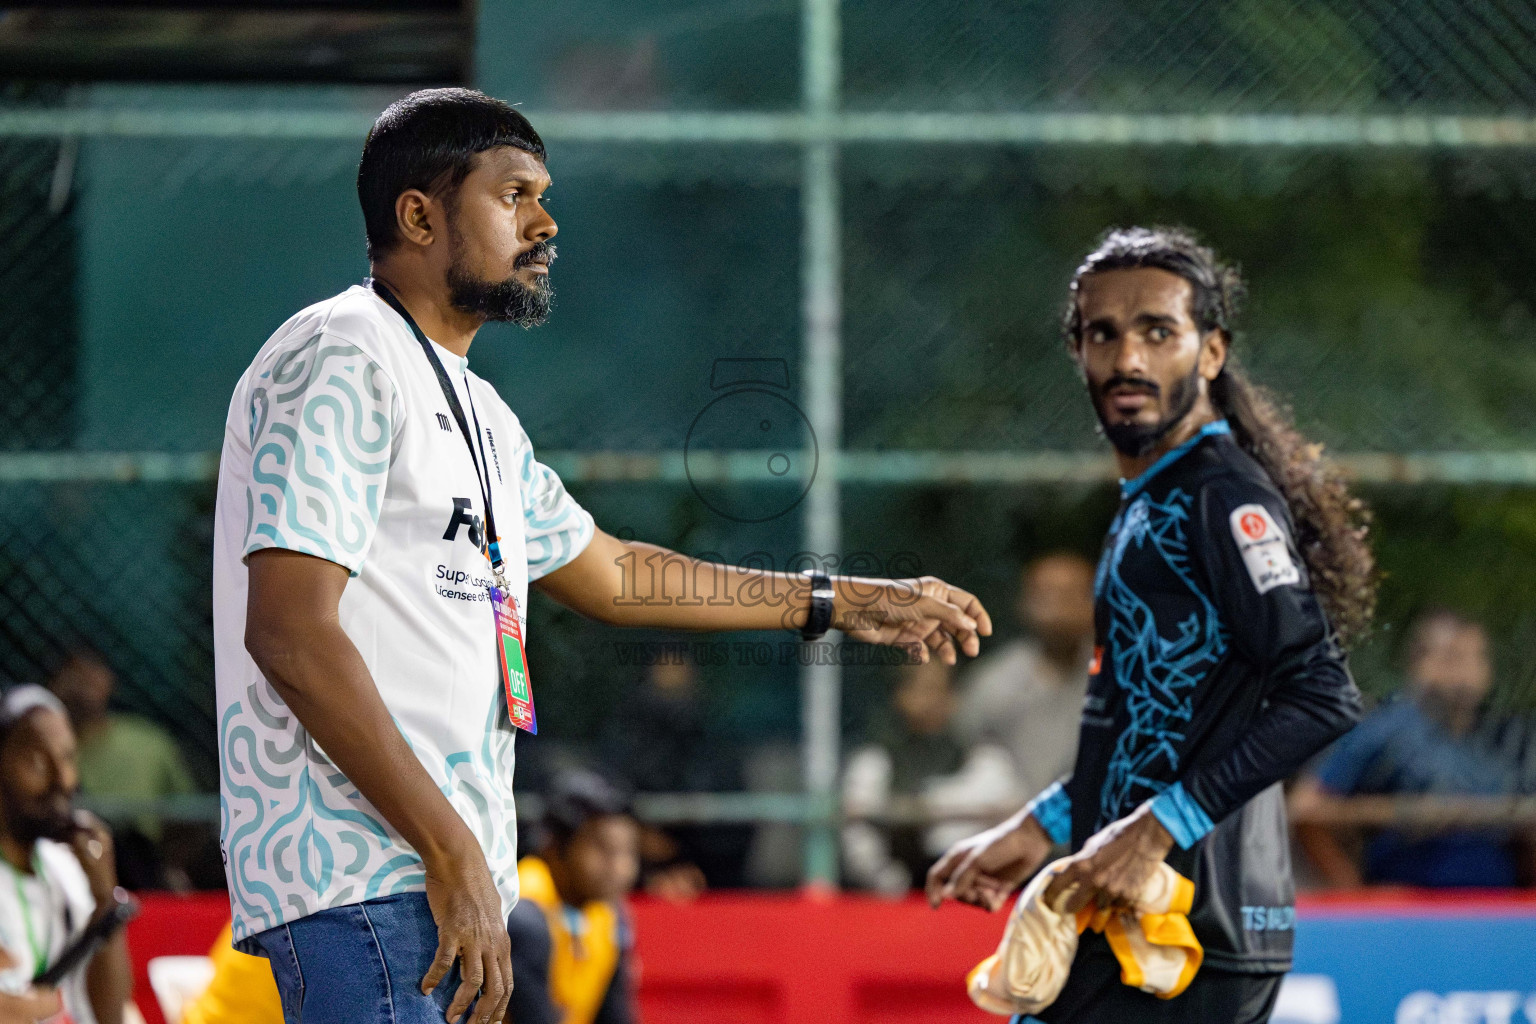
359	964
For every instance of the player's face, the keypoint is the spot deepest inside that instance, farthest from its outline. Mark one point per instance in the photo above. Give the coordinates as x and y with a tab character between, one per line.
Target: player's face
38	777
603	858
1144	358
498	239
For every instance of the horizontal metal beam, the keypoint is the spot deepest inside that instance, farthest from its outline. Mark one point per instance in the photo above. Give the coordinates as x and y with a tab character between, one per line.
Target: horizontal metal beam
1432	813
661	808
896	468
1327	131
108	467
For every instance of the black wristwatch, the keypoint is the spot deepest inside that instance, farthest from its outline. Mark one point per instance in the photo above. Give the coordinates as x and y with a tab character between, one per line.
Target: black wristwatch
819	619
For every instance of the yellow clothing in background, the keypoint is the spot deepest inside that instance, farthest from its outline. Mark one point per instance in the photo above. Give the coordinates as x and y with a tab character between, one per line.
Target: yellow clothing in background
585	945
242	990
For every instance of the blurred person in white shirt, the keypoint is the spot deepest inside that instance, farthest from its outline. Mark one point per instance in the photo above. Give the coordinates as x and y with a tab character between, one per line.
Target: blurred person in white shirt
1027	694
914	752
58	871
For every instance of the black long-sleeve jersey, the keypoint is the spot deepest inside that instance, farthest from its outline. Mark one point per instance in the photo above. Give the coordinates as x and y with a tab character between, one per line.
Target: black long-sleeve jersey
1215	676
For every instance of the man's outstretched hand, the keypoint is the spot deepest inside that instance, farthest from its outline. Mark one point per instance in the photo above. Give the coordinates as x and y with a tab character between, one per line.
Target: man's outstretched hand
986	869
1113	867
924	614
632	583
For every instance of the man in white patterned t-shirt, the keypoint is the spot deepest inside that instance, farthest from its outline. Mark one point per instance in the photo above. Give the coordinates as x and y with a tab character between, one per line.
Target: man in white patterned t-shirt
380	517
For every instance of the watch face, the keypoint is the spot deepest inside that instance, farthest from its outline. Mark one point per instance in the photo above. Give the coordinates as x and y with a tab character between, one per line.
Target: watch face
750	455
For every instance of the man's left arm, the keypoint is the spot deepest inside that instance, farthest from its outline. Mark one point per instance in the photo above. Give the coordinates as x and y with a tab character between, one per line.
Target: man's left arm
1259	583
631	583
1277	626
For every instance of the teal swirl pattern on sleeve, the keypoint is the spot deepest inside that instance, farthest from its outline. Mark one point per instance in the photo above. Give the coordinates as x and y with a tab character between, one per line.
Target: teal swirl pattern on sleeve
322	422
557	529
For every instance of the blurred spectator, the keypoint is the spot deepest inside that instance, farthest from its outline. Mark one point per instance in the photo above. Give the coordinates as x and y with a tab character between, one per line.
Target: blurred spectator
120	755
60	865
657	741
914	753
1027	694
571	956
123	756
1432	739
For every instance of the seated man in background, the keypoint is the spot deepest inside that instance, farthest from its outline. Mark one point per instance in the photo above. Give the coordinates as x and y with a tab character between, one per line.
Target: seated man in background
1027	694
1433	739
122	756
570	937
60	865
658	741
914	752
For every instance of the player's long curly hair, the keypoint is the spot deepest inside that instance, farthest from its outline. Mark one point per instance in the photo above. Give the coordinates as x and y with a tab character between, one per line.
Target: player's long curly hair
1331	523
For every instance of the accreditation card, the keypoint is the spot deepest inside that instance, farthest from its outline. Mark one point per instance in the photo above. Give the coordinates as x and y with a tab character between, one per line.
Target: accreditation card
514	661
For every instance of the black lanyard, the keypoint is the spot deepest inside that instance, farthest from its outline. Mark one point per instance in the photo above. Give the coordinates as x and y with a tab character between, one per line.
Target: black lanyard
451	395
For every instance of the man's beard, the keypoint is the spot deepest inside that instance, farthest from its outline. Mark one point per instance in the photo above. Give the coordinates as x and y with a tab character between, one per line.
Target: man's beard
1133	439
509	301
27	827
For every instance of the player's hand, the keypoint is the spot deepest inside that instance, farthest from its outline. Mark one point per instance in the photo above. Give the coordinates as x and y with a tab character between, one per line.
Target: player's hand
1113	867
91	843
924	614
470	929
986	869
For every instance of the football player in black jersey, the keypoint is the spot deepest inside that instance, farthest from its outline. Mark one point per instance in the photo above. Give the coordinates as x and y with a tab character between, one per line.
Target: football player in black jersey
1234	574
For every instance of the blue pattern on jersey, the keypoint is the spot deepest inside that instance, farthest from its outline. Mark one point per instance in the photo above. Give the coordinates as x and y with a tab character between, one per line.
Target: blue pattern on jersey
1157	668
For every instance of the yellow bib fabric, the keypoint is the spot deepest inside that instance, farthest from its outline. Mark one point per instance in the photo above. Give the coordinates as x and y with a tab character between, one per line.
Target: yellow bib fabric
242	990
580	967
1156	946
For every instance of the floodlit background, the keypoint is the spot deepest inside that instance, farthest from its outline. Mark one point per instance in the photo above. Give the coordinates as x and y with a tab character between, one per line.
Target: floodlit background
882	199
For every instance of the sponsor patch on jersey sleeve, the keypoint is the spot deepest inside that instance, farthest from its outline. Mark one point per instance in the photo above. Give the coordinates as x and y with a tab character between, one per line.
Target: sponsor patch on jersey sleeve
1263	546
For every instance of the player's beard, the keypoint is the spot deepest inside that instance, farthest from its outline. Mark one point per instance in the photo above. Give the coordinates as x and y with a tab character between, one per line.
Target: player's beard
1133	439
508	301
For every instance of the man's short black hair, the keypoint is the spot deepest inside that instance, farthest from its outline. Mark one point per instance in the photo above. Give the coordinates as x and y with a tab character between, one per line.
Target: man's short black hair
427	141
576	798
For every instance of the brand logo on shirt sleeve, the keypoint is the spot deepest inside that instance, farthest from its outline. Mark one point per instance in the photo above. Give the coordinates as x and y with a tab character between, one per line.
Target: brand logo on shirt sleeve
1265	550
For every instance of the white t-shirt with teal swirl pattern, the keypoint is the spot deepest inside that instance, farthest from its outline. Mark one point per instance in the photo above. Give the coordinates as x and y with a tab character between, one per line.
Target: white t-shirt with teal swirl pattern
340	444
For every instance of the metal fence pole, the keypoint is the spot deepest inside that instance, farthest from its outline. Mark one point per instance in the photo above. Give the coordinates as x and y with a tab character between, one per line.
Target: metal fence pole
821	301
